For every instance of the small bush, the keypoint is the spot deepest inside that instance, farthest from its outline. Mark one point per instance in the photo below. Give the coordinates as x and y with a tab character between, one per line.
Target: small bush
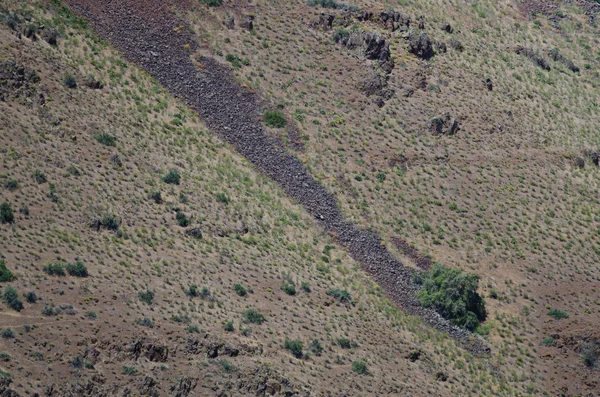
332	4
192	291
157	197
129	370
30	297
305	286
222	198
145	322
227	366
77	269
340	34
193	329
70	81
228	326
236	61
558	314
11	298
316	347
39	177
106	139
590	355
5	357
50	311
342	296
212	3
240	290
254	317
182	219
360	367
294	347
289	288
11	184
110	221
345	343
7	215
146	296
54	269
275	119
77	362
172	177
91	315
7	333
5	274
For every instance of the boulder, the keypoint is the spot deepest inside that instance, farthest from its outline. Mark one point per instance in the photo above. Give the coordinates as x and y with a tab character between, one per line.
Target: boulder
420	45
457	45
248	23
489	84
446	27
326	21
445	125
534	56
184	386
230	22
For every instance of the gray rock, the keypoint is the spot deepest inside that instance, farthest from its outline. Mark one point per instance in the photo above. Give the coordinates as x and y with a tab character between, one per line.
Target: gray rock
420	45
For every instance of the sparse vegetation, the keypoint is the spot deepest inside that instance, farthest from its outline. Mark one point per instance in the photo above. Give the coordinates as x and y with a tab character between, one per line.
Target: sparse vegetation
342	296
146	296
106	139
77	269
360	367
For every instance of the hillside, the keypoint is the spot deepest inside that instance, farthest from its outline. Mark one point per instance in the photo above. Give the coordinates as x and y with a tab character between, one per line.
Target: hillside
233	199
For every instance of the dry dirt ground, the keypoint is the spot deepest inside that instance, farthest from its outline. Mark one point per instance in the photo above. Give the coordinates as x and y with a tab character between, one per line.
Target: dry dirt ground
501	198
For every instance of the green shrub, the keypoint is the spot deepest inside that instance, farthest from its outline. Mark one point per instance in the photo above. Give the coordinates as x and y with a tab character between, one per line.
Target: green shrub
316	347
7	333
193	329
333	4
192	291
360	367
227	366
5	357
453	294
110	221
106	139
7	215
91	315
340	34
5	375
50	311
39	177
146	296
129	370
70	81
549	341
5	274
345	343
30	297
558	314
157	197
275	119
11	298
77	362
254	317
228	326
222	198
11	184
77	269
294	347
240	290
54	269
172	177
289	288
590	355
305	286
182	220
145	322
212	3
342	296
237	61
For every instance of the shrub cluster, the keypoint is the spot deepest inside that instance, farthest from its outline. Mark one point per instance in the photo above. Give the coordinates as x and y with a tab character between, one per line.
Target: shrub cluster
453	294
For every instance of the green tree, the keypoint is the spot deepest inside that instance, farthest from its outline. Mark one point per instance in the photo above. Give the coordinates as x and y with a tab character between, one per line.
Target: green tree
453	294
